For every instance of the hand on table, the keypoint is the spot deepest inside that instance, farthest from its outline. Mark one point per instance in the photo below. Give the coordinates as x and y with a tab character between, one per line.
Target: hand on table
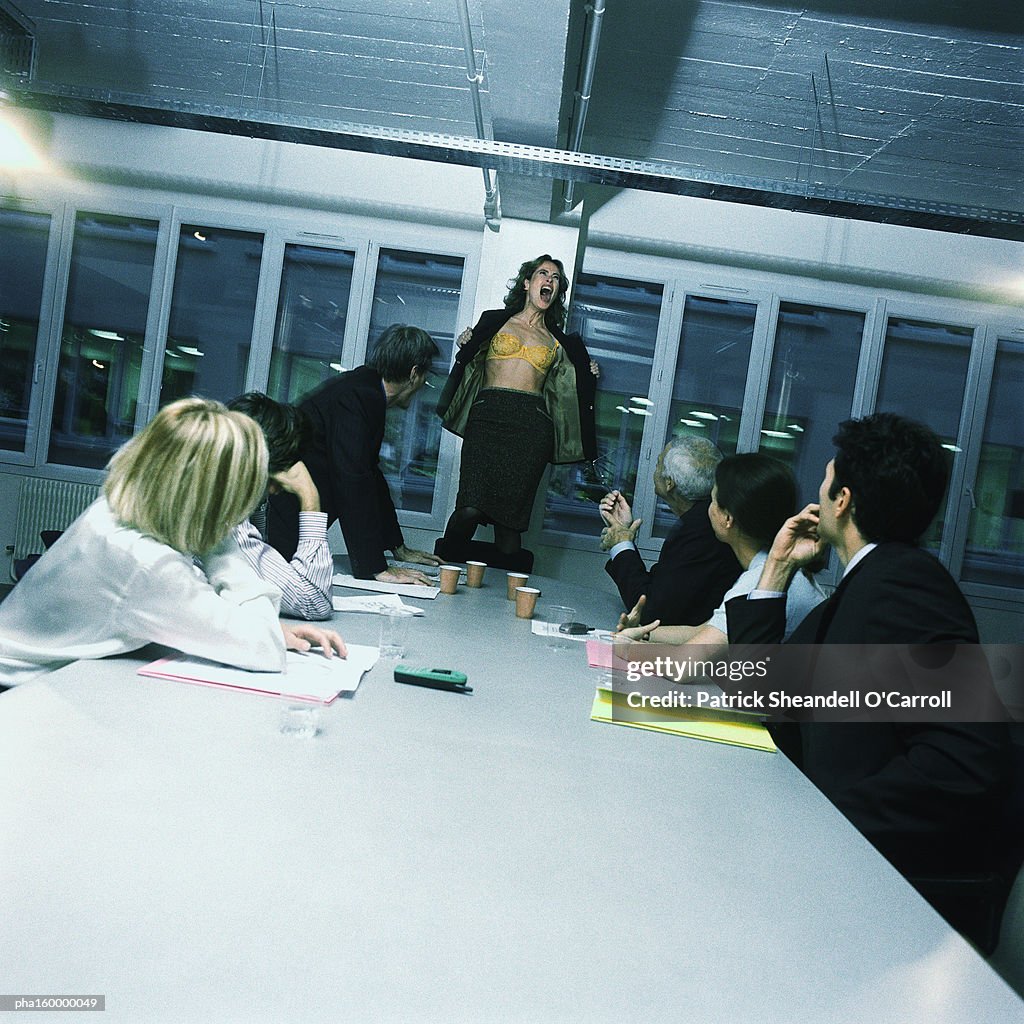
404	554
301	636
394	574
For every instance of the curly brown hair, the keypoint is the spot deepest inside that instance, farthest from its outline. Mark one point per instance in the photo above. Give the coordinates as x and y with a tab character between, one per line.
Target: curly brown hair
515	300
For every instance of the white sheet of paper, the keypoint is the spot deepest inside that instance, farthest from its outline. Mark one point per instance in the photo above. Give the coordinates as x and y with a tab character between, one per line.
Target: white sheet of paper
405	589
306	677
376	604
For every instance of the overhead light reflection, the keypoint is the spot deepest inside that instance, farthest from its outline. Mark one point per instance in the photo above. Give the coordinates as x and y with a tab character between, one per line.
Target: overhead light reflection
16	152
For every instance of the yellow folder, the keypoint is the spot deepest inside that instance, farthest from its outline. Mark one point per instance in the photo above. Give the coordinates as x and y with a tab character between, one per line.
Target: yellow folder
719	727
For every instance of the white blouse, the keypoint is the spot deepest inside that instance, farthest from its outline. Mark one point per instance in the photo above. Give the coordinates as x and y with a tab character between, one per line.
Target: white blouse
106	589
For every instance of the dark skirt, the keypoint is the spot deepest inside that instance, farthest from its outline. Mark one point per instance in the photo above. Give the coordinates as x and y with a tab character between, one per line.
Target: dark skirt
508	443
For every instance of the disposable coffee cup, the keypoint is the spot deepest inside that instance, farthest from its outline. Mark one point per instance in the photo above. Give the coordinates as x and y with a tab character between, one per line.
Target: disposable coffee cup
450	578
475	574
526	601
515	580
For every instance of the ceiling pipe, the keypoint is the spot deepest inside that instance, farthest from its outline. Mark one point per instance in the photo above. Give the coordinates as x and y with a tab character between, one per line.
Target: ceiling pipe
492	214
534	161
595	13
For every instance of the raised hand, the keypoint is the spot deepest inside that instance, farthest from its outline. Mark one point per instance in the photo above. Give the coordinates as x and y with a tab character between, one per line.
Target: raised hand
615	509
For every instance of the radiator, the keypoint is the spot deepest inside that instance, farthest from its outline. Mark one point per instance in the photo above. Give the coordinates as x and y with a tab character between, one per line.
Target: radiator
48	505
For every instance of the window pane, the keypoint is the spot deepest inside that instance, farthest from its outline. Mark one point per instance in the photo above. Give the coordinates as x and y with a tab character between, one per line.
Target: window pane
102	338
924	373
619	324
422	290
212	309
995	539
311	315
23	238
711	374
814	368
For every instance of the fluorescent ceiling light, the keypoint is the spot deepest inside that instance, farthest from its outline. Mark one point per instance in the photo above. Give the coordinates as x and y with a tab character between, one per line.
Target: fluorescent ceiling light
697	414
641	401
189	351
777	433
693	423
107	335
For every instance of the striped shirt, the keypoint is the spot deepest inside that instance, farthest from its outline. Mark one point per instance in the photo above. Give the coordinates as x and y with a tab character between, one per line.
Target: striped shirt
305	581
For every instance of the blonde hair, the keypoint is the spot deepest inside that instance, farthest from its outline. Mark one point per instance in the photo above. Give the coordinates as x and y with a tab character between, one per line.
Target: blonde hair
193	474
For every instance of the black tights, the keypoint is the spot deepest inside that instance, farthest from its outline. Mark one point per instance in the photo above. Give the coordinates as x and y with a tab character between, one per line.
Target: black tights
463	523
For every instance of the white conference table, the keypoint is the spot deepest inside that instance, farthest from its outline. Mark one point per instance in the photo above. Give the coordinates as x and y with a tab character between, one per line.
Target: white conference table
433	856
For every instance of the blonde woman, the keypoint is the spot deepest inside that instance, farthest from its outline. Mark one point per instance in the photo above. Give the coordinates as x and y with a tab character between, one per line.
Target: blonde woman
124	574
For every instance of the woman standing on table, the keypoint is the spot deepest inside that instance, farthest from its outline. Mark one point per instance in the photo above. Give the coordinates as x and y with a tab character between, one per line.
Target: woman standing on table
521	394
154	560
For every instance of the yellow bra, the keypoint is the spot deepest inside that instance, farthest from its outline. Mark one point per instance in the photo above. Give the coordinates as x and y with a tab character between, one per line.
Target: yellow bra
508	346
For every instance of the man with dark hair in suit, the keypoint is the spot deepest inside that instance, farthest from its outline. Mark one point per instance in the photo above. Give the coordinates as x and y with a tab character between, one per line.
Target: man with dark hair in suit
927	794
695	568
347	416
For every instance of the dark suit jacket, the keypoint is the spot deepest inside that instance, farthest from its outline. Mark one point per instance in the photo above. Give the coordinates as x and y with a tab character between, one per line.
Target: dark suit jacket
927	795
688	581
575	384
347	415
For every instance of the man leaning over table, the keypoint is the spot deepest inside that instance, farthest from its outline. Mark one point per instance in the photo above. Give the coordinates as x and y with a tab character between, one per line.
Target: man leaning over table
695	569
928	795
347	415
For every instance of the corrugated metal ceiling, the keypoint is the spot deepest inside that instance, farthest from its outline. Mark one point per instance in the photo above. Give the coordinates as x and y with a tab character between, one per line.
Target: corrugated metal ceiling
905	110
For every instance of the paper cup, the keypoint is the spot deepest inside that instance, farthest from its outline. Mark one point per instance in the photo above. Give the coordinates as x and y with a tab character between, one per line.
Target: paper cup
526	601
515	579
450	578
475	574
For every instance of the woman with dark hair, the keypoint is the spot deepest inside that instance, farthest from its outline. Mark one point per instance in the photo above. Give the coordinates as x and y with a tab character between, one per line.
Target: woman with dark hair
753	496
521	395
